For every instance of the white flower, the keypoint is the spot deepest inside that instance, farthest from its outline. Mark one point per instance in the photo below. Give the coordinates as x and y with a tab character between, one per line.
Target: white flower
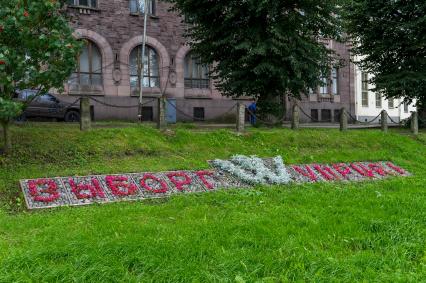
253	170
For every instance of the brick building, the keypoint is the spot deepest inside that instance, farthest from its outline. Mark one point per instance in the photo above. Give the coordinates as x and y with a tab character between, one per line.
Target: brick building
109	66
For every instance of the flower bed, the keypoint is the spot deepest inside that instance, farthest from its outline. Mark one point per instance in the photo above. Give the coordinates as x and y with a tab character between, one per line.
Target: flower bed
238	172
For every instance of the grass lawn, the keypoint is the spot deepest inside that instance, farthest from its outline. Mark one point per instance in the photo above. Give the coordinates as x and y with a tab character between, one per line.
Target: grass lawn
370	231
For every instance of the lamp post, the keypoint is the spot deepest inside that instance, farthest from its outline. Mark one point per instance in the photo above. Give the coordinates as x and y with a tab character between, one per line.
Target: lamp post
142	59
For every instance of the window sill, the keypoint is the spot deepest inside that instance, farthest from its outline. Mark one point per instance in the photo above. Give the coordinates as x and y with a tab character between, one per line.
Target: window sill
95	90
198	88
141	15
190	96
84	7
147	92
76	93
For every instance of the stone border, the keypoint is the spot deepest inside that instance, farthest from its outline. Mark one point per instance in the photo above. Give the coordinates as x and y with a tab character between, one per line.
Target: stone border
85	190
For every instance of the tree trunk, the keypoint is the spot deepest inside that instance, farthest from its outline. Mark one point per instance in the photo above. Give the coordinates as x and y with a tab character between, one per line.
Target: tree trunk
6	136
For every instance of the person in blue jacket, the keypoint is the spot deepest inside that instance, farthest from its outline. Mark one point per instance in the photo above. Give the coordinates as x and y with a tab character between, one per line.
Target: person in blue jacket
252	112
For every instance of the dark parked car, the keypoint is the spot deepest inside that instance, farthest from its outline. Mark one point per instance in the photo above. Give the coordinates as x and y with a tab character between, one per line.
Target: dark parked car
47	106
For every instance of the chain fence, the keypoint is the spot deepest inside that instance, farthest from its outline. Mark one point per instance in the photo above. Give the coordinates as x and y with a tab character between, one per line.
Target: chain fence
121	106
363	122
182	112
268	123
354	119
307	115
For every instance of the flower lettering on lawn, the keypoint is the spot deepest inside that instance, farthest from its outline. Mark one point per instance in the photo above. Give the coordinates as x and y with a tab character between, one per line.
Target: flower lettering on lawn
44	190
83	190
253	170
150	183
238	172
121	186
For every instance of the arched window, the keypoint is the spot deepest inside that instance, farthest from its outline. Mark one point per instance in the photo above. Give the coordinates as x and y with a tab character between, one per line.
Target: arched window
151	74
89	66
196	73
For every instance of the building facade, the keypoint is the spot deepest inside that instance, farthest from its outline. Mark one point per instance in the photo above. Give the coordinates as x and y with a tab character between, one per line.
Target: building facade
109	69
369	104
324	103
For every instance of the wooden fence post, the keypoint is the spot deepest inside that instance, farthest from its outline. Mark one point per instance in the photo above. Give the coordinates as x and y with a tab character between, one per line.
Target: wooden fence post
415	123
161	122
241	117
384	121
343	120
85	117
295	119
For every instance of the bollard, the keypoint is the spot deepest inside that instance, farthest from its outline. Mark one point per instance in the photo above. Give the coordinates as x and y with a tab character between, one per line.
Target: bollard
85	117
415	123
295	117
161	121
384	121
343	120
241	117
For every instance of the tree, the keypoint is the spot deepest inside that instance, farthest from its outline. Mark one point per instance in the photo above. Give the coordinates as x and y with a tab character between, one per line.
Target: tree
262	49
390	38
37	51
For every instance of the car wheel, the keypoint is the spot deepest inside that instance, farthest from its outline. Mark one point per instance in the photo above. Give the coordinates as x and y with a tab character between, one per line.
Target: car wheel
72	116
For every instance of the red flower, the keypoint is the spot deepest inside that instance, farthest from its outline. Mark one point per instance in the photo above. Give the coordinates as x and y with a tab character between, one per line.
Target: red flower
202	175
120	185
342	168
363	170
326	172
396	168
179	183
2	62
163	184
26	14
51	190
1	28
93	190
308	173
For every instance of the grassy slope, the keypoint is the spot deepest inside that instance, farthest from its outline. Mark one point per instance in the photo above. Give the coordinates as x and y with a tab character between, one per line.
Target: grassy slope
346	232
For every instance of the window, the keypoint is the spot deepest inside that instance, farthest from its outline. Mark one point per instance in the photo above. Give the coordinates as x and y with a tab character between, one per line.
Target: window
405	107
324	86
314	115
151	74
378	100
391	103
196	73
199	113
147	113
138	6
335	81
364	89
325	115
89	66
47	99
337	115
26	94
85	3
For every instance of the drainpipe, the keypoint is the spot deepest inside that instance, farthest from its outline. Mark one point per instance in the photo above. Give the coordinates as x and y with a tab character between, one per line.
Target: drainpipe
143	56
